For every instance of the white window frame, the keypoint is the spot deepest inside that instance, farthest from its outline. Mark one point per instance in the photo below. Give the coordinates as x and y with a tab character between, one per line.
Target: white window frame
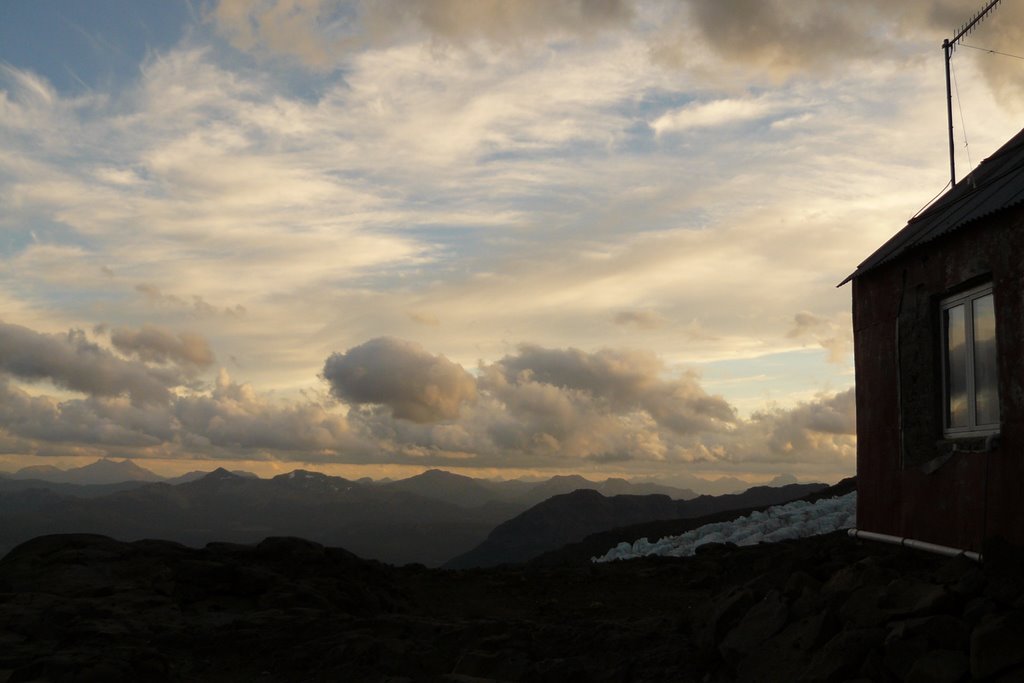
966	299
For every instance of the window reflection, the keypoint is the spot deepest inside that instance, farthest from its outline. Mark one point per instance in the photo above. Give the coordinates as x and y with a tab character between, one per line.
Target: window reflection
986	378
956	367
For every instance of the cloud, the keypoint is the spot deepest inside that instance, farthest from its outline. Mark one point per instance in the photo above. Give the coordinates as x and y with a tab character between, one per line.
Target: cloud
820	429
776	38
805	323
623	380
156	344
782	36
504	182
509	21
550	407
1001	31
721	112
781	39
115	423
235	417
73	362
232	421
198	307
835	338
307	206
423	318
646	320
401	375
538	407
293	28
319	33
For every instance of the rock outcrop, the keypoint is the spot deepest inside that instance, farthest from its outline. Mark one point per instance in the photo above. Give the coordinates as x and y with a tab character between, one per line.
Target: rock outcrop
830	608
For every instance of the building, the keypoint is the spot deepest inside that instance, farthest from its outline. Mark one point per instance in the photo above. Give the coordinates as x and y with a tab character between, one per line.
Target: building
938	318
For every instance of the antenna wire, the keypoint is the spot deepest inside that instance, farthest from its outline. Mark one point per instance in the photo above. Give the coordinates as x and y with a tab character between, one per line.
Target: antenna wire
963	124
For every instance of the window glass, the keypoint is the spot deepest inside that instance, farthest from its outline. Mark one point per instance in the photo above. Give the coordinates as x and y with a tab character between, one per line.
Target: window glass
986	377
956	367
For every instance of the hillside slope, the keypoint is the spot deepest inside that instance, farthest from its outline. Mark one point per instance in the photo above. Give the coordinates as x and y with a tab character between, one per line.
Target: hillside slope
569	518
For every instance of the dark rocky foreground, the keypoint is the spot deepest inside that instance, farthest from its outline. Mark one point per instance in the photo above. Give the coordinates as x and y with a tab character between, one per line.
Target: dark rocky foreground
88	608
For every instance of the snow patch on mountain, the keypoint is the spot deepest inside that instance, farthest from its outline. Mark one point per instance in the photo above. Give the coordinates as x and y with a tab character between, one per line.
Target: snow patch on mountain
798	519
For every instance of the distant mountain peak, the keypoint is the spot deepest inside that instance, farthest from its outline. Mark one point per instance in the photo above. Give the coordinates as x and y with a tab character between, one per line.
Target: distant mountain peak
435	472
102	471
313	483
445	486
442	475
220	474
571	477
304	475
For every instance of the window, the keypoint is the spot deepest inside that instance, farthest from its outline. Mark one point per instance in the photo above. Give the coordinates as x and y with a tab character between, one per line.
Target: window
970	374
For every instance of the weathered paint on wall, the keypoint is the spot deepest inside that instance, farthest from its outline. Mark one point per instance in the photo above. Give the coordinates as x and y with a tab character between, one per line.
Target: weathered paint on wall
911	481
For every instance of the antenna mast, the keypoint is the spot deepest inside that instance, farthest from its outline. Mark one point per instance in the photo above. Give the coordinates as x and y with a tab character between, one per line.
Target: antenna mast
948	46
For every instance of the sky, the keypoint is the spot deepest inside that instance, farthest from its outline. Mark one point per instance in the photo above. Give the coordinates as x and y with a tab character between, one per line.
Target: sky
499	237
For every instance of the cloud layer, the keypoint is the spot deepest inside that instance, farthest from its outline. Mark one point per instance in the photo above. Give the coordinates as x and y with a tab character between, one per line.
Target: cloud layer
537	407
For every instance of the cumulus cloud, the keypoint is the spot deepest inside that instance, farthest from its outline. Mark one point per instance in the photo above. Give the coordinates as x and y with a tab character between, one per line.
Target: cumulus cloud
834	337
536	407
822	429
231	421
73	362
542	407
236	417
414	384
92	422
625	380
157	344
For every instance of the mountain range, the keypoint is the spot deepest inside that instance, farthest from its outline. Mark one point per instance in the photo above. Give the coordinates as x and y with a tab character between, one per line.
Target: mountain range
679	485
106	471
392	526
429	519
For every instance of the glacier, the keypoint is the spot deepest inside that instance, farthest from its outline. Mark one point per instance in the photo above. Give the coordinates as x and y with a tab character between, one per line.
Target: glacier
798	519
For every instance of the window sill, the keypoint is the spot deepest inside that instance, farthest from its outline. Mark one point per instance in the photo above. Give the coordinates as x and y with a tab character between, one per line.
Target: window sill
969	442
966	444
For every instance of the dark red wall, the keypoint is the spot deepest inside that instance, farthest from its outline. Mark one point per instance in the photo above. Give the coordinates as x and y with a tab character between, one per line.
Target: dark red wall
970	496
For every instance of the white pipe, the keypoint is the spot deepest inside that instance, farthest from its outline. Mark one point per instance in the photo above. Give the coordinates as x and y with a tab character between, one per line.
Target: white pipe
913	543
